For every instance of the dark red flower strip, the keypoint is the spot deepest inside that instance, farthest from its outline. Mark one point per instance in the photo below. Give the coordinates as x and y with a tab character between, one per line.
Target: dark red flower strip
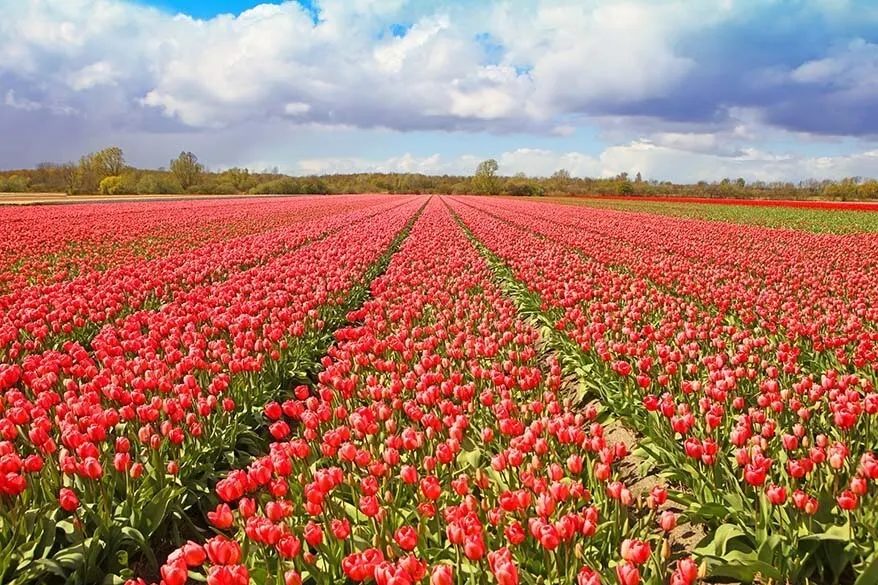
43	316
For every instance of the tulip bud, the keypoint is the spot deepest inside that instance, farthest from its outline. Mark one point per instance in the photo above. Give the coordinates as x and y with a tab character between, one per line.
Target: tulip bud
666	549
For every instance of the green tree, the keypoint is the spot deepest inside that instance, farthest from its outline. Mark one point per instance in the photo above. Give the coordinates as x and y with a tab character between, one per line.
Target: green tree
461	188
158	184
14	184
560	181
96	166
524	187
625	188
869	189
71	178
109	161
111	185
239	178
187	169
124	184
485	180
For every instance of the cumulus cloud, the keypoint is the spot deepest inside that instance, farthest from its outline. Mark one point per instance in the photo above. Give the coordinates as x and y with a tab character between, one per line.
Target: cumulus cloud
674	79
651	160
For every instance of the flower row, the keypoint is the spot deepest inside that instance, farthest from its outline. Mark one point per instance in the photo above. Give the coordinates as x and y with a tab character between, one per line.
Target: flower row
438	444
44	316
759	434
130	432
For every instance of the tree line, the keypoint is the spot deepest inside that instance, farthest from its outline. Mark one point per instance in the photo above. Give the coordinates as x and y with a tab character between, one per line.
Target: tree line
107	172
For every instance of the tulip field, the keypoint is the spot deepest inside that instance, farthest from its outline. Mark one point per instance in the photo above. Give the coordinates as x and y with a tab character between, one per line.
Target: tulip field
444	390
817	216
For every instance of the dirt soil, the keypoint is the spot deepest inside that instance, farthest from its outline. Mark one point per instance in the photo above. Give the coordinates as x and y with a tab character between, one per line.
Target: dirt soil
64	199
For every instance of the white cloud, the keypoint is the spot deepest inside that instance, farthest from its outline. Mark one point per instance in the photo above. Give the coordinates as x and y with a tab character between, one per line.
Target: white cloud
853	67
231	69
25	104
152	80
94	75
296	108
651	160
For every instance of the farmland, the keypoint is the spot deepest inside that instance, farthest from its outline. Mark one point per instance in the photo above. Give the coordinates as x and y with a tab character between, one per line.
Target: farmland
831	217
400	389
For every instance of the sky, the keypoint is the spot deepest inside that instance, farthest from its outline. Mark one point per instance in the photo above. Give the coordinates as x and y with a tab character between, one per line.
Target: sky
682	90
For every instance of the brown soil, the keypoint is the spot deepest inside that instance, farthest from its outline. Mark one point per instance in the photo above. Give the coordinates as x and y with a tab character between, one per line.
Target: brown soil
64	199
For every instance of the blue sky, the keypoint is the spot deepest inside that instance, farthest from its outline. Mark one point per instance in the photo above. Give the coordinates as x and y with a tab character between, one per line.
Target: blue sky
767	90
209	8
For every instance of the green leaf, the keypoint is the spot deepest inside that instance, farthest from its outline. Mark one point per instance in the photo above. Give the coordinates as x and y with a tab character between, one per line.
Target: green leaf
135	536
717	546
836	556
50	566
497	478
741	566
470	454
735	502
869	576
67	527
711	511
154	512
834	532
768	548
70	557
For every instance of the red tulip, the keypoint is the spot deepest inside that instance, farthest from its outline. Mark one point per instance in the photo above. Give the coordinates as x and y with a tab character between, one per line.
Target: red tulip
406	537
627	573
313	534
221	517
668	521
175	573
442	575
228	575
847	500
194	554
586	576
636	551
222	551
68	500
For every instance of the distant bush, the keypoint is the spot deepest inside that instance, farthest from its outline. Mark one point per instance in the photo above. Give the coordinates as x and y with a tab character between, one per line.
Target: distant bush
155	184
625	188
461	188
292	186
313	186
212	188
287	185
118	185
14	184
524	189
224	188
